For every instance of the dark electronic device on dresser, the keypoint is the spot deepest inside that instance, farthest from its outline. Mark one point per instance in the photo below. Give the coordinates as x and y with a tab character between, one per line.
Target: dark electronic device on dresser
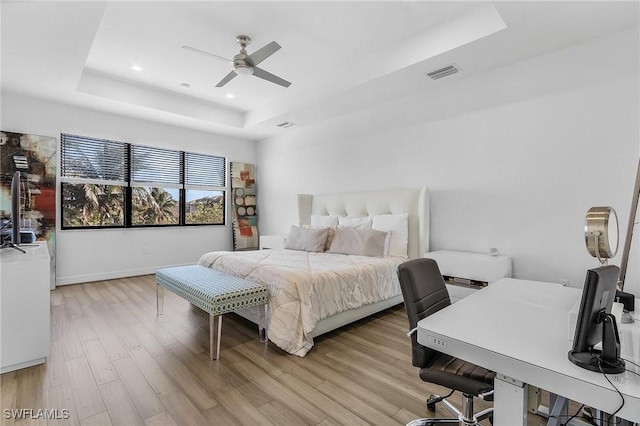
596	324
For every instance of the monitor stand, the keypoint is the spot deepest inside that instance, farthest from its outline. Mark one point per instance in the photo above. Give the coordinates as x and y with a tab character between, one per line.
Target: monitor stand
13	246
608	359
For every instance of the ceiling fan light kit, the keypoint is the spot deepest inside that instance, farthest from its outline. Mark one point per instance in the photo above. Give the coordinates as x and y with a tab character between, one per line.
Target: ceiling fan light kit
245	64
242	69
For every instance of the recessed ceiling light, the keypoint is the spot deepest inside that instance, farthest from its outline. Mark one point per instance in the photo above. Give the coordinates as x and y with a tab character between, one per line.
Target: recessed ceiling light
185	85
136	67
230	96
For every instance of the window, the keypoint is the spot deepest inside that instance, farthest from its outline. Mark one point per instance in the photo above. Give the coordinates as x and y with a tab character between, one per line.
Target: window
156	179
116	184
204	189
95	174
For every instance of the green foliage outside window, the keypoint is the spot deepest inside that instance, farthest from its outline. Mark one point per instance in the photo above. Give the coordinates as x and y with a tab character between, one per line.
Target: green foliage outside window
87	205
154	206
206	210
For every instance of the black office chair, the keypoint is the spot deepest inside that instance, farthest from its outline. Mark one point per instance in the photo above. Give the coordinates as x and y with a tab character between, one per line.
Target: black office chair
425	293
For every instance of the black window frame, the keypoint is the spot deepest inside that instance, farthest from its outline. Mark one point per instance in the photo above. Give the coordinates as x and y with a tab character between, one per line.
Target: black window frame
194	177
75	168
155	167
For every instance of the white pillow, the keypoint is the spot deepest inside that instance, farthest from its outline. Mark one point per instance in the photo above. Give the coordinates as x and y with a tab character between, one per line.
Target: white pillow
305	239
361	242
324	221
354	222
398	225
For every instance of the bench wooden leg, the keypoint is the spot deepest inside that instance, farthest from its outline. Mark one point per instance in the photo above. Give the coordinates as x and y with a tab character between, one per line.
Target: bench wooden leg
215	333
159	299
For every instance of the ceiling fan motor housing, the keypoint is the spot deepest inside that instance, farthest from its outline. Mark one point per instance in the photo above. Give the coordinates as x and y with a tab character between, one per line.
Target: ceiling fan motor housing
242	63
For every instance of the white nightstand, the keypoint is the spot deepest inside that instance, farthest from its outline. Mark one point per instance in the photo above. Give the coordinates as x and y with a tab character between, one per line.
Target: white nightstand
467	272
272	241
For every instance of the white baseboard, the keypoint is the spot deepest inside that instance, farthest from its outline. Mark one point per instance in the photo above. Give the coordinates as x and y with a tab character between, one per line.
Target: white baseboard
111	275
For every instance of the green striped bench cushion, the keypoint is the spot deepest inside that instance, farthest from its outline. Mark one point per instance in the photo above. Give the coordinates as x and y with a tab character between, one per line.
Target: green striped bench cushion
213	291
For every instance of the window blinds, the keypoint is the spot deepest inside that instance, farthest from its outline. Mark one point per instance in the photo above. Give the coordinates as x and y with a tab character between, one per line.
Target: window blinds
204	170
100	159
91	158
155	165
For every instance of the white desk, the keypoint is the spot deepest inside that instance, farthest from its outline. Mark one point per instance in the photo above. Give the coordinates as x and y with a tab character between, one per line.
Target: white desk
518	329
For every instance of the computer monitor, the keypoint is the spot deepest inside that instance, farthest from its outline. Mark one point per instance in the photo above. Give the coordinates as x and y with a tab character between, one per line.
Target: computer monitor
15	209
596	324
16	213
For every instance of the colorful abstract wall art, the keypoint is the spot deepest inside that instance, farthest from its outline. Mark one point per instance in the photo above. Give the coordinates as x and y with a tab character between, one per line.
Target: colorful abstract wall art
36	158
245	216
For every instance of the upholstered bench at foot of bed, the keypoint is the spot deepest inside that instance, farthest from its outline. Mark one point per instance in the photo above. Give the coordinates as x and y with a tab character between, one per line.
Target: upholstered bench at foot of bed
216	293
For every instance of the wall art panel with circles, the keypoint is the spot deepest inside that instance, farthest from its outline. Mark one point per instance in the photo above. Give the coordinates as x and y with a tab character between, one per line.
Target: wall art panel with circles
245	218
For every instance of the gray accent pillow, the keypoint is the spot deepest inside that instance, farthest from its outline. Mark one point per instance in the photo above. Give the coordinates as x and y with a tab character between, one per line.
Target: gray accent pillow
307	239
362	242
332	229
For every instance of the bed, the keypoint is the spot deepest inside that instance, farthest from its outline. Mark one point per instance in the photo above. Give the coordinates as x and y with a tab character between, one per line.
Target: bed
314	291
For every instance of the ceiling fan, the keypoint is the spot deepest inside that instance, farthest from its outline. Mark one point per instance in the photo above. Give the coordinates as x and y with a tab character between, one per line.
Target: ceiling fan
246	64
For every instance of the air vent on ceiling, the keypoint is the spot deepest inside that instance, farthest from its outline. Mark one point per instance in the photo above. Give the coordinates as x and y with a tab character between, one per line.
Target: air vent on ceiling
285	124
443	72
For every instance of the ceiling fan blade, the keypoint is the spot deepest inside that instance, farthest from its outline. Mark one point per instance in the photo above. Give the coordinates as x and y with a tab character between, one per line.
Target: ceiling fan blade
259	72
227	79
264	52
193	49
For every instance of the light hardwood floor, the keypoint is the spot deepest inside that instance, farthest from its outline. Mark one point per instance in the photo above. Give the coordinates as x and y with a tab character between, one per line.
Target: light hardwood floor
114	362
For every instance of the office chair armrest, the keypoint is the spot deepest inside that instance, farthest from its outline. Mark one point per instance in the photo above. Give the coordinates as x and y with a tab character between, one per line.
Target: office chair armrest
413	330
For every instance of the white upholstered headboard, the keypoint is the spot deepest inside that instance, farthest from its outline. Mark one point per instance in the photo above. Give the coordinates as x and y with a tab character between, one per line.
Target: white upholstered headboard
369	203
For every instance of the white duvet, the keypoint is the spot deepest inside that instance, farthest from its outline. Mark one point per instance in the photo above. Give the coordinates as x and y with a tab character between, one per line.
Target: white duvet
306	287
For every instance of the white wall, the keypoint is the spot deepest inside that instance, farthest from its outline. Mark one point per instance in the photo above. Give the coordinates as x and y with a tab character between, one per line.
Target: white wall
513	158
87	255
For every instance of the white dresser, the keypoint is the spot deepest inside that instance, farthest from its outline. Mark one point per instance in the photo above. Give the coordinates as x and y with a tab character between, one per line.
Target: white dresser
24	307
467	272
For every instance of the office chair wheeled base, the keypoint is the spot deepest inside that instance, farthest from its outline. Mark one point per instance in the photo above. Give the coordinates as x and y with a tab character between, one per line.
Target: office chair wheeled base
464	417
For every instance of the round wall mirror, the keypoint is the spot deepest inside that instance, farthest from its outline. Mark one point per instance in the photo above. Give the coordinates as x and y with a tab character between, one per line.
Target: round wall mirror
601	233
